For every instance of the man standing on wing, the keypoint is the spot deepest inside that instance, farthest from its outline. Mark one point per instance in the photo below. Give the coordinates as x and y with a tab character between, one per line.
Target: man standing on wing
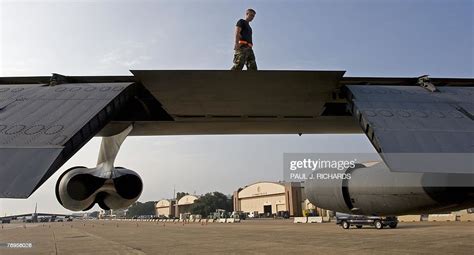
243	43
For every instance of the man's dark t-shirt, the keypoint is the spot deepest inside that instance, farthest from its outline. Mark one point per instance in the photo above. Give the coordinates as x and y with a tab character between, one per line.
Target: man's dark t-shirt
246	32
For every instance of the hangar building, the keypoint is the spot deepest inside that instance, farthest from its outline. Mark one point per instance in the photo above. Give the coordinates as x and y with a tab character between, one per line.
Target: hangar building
165	207
270	198
183	205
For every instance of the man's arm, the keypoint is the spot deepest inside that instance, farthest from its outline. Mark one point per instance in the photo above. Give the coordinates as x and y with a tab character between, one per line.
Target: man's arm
237	37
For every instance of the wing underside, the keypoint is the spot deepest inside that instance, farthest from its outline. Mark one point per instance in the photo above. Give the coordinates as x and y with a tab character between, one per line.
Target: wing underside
42	126
416	130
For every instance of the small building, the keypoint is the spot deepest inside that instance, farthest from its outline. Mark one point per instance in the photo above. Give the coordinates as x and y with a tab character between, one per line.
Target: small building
311	209
308	205
165	208
270	198
184	204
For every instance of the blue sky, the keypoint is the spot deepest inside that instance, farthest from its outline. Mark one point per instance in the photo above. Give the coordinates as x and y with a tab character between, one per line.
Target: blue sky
364	37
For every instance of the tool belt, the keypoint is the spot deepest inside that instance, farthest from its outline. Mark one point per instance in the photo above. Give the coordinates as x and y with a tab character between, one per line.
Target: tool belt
246	43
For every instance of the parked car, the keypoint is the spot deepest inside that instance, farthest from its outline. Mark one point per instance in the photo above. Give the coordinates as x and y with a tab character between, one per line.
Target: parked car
348	220
253	214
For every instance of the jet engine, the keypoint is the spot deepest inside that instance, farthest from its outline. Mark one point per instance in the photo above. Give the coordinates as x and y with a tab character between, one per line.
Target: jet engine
372	189
79	188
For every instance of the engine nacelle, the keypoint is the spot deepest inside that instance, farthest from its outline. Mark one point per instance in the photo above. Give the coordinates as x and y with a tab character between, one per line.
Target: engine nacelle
372	189
79	188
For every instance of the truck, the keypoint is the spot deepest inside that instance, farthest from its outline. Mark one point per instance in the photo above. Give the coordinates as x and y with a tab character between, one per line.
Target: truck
379	222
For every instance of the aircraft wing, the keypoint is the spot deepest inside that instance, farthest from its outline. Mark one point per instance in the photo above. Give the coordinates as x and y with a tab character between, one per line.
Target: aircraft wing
42	126
416	130
45	120
30	214
223	102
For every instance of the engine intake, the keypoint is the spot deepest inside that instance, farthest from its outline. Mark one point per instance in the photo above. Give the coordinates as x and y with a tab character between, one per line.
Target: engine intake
79	188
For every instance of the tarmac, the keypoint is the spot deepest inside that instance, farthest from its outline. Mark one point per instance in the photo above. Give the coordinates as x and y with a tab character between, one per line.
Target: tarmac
248	237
